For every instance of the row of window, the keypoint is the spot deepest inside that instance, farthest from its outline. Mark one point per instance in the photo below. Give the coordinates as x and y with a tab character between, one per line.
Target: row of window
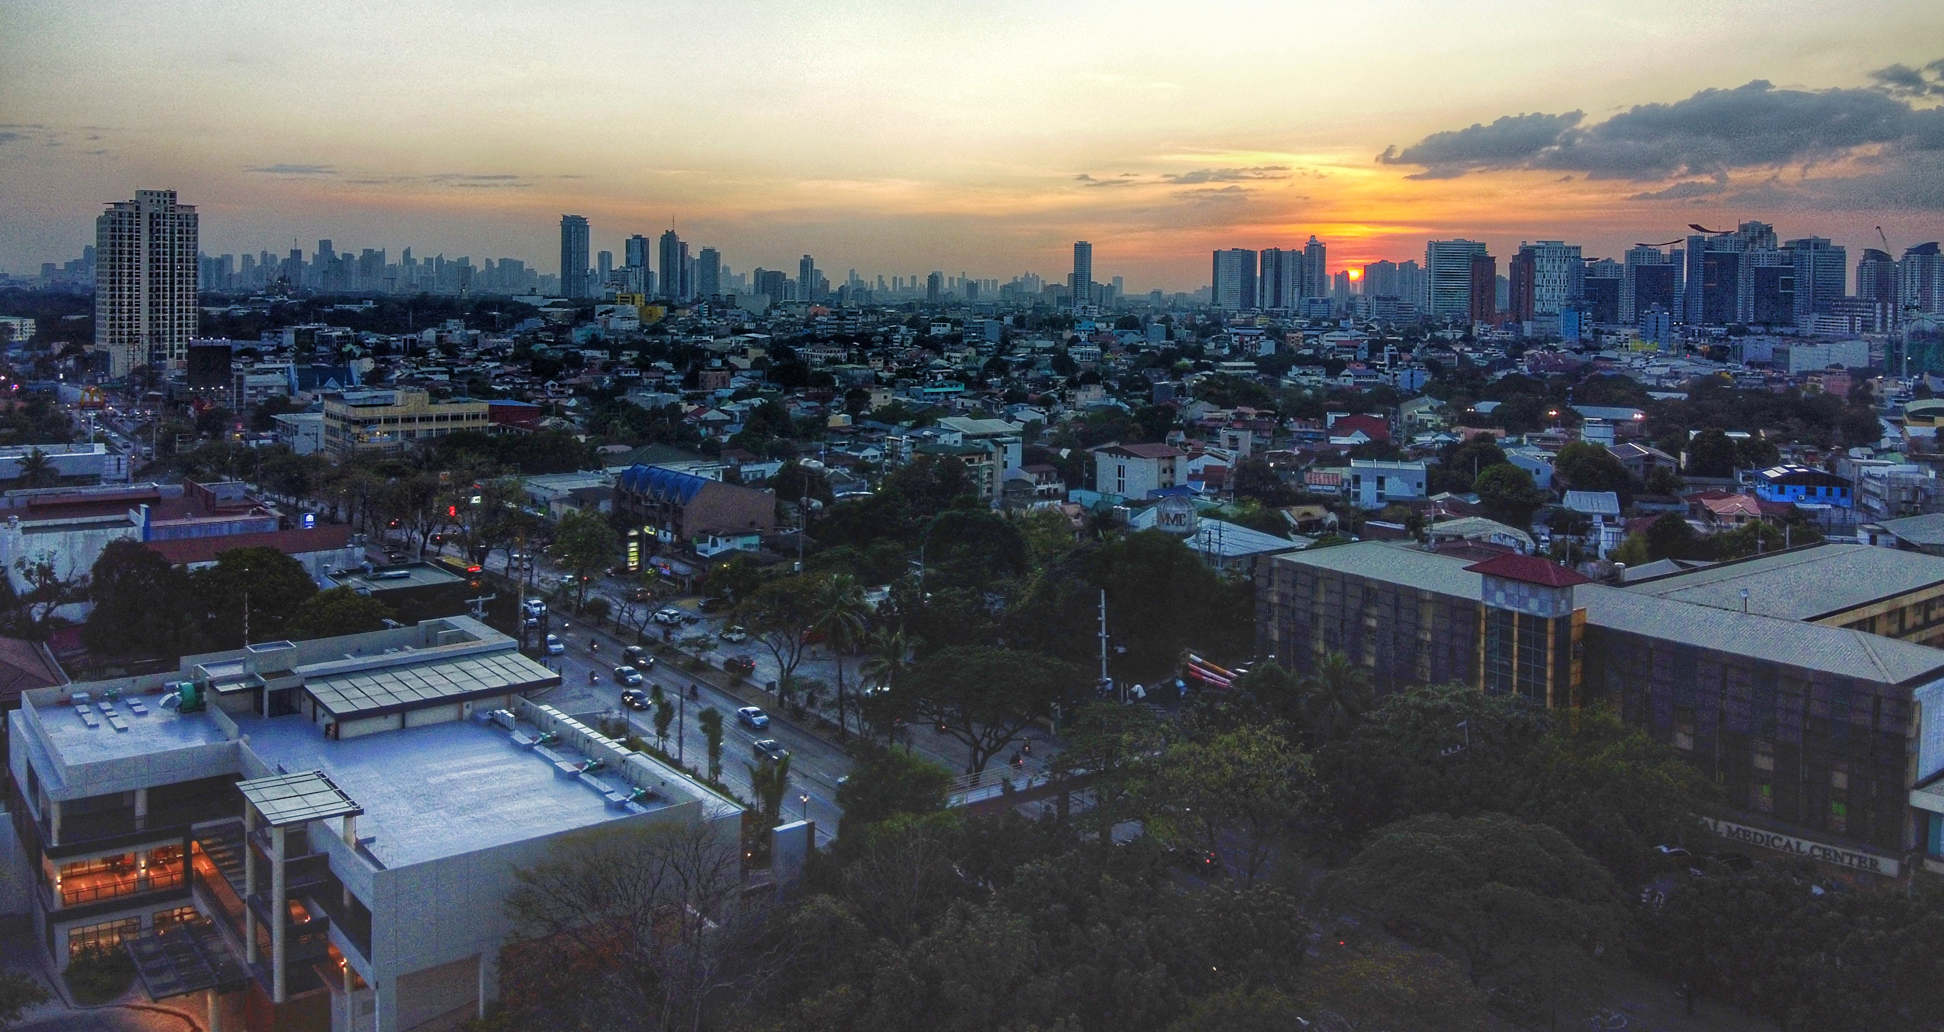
109	935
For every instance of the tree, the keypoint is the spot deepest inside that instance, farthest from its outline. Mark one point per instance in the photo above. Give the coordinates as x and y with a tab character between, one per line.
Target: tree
584	544
1518	905
1120	749
973	548
1254	478
984	696
1711	454
840	614
779	616
51	584
737	578
37	470
931	484
664	716
1509	494
140	604
885	782
710	721
629	927
19	992
1335	696
769	781
1236	790
887	659
1590	467
249	595
329	614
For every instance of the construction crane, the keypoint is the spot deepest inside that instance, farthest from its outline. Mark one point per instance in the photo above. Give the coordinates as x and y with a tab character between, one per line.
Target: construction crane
1885	239
1710	232
1669	243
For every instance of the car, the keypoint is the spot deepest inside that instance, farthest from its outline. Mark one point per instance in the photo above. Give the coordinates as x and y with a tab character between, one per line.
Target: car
637	656
669	616
735	634
396	557
555	646
628	675
635	699
752	717
742	665
769	749
640	593
714	605
536	606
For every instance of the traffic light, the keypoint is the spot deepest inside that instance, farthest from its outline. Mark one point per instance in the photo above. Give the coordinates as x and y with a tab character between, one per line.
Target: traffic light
452	510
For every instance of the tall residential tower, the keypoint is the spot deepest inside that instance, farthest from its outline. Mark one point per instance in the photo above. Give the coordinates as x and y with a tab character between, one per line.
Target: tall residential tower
573	257
145	281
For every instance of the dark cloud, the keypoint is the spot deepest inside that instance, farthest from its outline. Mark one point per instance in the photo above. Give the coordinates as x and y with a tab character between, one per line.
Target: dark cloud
1214	195
1227	175
8	136
1510	141
1901	80
1713	131
1684	191
294	170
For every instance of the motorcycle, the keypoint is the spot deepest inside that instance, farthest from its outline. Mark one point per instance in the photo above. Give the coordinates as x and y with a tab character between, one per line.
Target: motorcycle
593	677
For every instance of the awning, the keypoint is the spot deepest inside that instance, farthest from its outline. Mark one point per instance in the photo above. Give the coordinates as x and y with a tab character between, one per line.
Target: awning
186	959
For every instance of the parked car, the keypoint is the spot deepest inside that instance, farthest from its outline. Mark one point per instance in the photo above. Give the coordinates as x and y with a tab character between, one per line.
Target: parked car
752	717
628	675
742	665
734	634
669	616
635	699
555	646
769	749
714	605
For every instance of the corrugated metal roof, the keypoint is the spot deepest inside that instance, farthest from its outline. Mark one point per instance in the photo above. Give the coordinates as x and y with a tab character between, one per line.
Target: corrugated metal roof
664	484
1927	529
396	688
1802	584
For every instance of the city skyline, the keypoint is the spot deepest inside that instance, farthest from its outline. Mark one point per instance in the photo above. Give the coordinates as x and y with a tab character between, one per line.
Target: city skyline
924	161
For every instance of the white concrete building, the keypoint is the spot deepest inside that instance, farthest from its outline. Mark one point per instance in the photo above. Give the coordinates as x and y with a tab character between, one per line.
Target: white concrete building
324	827
145	281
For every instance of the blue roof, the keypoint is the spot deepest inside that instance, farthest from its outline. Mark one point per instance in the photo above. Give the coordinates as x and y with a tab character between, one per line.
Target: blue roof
663	483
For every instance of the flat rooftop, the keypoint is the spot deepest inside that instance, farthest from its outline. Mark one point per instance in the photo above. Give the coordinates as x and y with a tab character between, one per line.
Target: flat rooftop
75	742
1809	584
405	685
439	790
391	578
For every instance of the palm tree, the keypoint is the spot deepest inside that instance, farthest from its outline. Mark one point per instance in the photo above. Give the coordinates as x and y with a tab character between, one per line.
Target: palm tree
888	660
768	781
37	470
840	614
1335	692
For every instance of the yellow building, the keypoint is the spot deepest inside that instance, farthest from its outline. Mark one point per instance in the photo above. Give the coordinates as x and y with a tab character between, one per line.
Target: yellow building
389	422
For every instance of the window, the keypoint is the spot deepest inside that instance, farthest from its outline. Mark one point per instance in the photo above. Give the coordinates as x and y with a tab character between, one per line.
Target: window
1684	727
1762	797
104	936
177	917
1838	815
1764	758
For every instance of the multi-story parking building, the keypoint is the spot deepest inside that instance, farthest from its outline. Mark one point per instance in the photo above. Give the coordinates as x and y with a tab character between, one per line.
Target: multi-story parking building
317	834
388	422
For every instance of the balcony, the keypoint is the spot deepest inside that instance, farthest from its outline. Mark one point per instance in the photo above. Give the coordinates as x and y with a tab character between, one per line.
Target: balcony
98	886
95	829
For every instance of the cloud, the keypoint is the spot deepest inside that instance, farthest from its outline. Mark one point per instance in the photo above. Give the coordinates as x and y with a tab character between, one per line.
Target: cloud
1510	141
1901	80
1214	195
1227	175
9	136
1684	191
294	170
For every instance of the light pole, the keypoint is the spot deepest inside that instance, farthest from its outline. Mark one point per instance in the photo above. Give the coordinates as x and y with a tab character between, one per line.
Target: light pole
805	800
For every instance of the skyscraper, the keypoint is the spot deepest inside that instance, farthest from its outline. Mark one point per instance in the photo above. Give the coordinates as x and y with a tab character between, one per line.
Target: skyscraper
1234	280
1920	275
935	287
1821	275
573	256
1520	273
1316	277
675	283
1484	288
806	278
1448	276
1630	290
708	272
604	266
1083	280
145	281
1876	276
1280	283
1380	280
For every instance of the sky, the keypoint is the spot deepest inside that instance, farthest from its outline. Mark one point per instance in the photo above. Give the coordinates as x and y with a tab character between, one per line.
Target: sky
980	138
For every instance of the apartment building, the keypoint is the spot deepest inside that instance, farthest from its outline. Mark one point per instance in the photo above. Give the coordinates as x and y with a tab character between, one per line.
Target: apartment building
389	422
316	834
1135	470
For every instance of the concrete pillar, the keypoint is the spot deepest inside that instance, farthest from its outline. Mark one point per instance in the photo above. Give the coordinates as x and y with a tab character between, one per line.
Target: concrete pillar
53	822
215	1012
250	952
351	830
141	808
279	913
482	985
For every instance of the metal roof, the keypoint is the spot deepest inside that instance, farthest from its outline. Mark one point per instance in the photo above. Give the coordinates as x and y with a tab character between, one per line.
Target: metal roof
663	483
1802	584
390	689
1593	503
287	799
1927	529
186	959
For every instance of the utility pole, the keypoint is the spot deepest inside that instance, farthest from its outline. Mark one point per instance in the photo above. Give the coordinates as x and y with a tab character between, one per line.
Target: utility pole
1105	681
681	727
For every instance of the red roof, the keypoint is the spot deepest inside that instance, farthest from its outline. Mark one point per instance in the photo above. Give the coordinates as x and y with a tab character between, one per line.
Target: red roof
183	551
1530	569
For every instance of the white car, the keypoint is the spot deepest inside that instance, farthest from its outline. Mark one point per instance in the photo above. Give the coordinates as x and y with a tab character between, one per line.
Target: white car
734	634
669	617
555	646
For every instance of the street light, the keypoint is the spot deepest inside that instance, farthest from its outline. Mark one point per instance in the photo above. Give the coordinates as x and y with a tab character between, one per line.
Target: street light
805	799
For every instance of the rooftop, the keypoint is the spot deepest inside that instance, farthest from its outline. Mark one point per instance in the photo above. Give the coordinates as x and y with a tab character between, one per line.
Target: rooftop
286	799
391	688
1803	584
78	739
1927	529
392	577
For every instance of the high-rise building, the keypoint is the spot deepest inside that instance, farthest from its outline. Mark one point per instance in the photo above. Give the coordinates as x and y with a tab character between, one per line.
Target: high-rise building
1082	280
773	284
1316	276
1876	276
573	256
1558	272
1520	273
1380	280
145	281
1413	285
1720	287
1484	288
807	278
675	284
635	252
708	272
935	287
1629	292
1280	282
1448	277
1234	280
1920	275
1821	275
604	266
